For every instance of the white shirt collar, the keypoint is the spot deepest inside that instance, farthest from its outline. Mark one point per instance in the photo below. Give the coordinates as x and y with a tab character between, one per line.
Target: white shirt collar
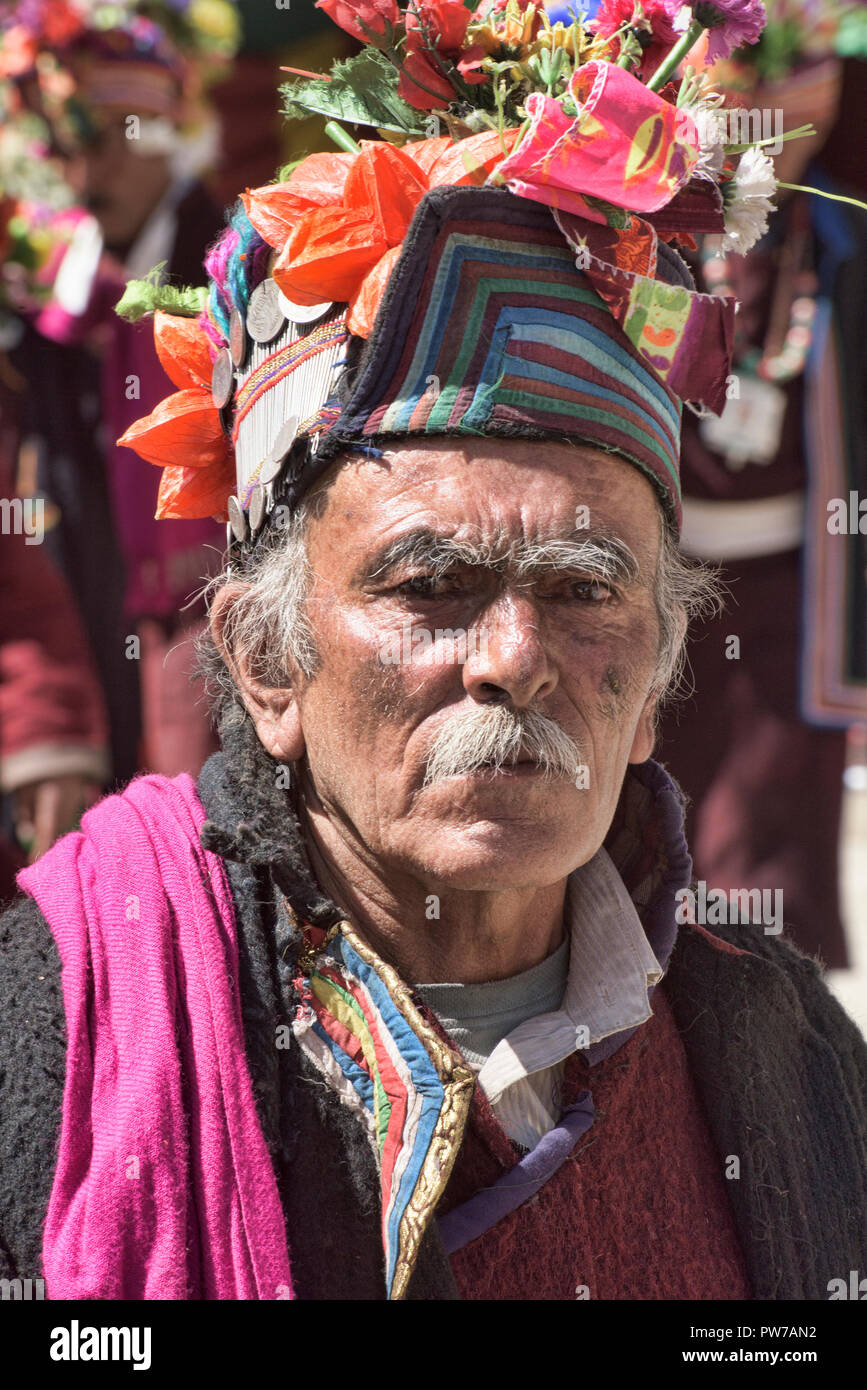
611	970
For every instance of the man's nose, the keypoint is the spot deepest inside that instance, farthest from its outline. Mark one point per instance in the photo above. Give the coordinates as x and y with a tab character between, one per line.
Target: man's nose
507	659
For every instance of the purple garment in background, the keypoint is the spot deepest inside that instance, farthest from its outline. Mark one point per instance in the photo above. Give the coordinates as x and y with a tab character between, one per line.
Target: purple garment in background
165	560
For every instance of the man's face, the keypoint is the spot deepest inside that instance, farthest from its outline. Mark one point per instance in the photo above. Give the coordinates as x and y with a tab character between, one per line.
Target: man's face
118	184
558	642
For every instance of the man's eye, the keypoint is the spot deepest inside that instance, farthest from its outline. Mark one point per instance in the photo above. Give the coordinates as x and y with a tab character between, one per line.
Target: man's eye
591	590
426	586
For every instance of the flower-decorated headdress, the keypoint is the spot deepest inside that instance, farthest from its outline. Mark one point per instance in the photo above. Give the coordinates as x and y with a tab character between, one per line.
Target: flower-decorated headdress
500	261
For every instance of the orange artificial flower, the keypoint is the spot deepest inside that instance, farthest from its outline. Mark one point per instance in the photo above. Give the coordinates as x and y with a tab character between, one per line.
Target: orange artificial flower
183	349
186	425
339	227
317	183
368	297
331	250
191	493
472	160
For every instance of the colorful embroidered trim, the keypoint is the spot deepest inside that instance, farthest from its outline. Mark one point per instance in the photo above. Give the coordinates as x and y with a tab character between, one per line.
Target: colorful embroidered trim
282	363
410	1090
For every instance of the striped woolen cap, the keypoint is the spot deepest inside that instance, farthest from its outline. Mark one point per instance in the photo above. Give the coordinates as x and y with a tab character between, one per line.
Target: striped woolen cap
488	327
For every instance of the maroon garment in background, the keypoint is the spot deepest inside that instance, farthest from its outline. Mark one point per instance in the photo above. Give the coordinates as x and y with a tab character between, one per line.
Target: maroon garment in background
49	693
766	789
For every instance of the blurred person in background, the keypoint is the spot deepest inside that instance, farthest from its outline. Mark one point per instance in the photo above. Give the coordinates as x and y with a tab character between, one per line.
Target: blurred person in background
761	746
53	736
121	89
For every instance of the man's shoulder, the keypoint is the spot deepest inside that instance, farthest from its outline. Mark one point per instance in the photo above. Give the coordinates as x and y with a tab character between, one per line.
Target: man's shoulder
738	985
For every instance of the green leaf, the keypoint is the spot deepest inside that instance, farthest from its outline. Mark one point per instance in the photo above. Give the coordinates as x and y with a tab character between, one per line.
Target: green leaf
143	297
362	90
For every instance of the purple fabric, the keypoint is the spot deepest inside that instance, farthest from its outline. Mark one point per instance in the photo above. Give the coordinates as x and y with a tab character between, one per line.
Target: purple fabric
519	1184
163	1187
165	562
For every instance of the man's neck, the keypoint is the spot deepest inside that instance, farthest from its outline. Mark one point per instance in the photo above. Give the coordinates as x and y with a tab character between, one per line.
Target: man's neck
449	935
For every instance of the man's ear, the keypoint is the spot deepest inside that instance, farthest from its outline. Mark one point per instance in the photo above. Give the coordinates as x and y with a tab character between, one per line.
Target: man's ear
645	732
272	708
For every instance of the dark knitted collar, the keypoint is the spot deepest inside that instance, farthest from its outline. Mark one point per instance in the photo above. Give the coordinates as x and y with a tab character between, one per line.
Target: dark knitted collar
253	820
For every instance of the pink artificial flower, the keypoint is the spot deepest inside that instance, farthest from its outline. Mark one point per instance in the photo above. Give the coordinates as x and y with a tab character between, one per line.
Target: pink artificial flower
626	146
731	23
374	13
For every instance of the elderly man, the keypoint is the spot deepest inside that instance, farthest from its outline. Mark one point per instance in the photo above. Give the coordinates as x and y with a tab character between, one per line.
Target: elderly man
403	998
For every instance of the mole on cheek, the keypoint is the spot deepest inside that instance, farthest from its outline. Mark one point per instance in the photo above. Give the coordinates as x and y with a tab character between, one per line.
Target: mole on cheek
613	681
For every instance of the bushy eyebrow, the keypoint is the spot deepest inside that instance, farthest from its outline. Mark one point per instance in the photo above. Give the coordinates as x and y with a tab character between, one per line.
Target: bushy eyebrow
601	555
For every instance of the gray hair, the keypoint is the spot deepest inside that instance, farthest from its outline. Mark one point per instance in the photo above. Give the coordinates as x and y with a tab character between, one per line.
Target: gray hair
270	623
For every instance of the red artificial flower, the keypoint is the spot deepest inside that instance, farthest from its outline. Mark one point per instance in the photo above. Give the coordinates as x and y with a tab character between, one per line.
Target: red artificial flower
658	15
61	22
376	14
18	51
424	85
441	24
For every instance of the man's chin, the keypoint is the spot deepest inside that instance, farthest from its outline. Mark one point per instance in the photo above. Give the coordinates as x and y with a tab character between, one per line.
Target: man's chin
495	854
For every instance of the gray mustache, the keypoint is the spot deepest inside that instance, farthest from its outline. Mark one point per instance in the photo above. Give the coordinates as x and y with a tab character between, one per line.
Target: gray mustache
496	735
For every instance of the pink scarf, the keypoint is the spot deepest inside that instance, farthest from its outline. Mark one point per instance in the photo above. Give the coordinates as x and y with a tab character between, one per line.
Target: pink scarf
163	1187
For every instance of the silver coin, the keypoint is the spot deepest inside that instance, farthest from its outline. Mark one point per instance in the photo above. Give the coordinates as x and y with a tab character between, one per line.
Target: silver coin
237	520
257	508
279	449
237	338
222	379
301	313
265	318
270	469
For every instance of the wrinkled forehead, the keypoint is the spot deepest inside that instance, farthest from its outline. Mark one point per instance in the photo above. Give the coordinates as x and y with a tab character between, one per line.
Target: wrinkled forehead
495	494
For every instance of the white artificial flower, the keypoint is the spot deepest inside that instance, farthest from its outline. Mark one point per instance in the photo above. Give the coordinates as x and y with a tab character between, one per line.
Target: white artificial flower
748	201
712	127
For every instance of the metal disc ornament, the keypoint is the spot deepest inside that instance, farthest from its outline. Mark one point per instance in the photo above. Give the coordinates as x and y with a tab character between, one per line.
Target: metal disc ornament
222	379
265	318
237	520
237	338
257	508
301	313
279	449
